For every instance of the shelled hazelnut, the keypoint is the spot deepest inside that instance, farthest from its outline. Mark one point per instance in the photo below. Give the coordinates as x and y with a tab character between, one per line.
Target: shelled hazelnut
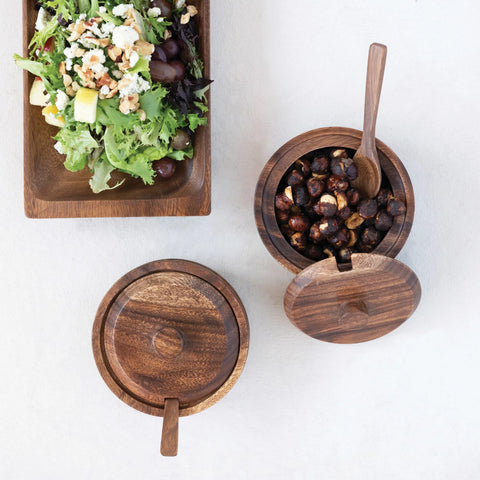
323	216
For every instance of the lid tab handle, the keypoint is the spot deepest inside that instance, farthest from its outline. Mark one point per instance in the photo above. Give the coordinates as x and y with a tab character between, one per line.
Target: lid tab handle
169	445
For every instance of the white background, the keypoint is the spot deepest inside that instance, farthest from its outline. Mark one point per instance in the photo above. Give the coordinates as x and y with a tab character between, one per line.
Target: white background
402	407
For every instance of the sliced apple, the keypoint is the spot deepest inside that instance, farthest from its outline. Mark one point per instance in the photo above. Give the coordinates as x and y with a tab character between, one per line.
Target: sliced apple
38	95
50	113
85	109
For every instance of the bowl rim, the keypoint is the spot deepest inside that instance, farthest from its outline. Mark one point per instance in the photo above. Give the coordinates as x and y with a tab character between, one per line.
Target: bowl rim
302	144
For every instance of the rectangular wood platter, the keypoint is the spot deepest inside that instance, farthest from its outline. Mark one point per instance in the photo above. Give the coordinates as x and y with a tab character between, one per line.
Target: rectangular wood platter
51	191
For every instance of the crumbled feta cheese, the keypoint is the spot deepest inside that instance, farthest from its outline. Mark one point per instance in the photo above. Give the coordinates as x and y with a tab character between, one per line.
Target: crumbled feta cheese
104	90
160	19
108	27
68	64
135	84
59	148
95	29
82	16
117	74
154	12
124	36
62	100
70	51
134	58
179	3
42	19
94	60
85	42
94	56
102	10
122	9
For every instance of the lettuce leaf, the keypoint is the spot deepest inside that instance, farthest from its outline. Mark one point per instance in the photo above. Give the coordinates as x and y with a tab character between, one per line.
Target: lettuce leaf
102	170
77	144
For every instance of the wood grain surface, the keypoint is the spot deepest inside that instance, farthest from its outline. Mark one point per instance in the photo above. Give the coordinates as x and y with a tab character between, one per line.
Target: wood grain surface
170	329
373	298
171	335
282	160
169	443
369	177
51	191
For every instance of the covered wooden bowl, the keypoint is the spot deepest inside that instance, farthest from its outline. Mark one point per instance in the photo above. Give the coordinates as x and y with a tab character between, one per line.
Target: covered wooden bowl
170	339
374	294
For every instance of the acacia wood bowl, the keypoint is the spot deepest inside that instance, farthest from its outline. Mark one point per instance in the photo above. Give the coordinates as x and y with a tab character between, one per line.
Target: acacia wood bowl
288	154
51	191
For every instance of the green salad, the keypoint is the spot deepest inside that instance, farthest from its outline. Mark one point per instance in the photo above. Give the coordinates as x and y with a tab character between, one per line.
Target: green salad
122	81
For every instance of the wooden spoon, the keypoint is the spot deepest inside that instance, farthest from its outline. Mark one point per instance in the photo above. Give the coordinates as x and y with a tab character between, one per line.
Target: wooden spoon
369	172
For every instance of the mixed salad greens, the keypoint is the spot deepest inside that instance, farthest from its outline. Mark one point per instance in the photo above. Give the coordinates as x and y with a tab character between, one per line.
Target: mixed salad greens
122	81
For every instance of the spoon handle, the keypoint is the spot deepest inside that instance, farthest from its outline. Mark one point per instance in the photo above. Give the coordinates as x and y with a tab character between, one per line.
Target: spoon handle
377	57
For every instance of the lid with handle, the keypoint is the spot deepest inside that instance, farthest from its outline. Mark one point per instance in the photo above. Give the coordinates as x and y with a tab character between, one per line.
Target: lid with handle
355	302
170	339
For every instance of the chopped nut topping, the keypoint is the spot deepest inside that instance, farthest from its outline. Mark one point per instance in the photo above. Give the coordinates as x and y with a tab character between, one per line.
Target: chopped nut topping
192	10
62	69
101	42
144	48
67	80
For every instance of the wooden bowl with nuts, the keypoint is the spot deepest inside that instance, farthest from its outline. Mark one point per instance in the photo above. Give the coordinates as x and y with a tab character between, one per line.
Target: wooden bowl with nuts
338	244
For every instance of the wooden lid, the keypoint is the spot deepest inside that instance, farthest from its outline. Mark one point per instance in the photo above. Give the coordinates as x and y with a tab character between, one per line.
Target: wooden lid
365	302
170	329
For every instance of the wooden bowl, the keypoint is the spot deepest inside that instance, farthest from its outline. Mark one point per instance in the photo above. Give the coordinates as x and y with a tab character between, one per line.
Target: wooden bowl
284	158
170	339
51	191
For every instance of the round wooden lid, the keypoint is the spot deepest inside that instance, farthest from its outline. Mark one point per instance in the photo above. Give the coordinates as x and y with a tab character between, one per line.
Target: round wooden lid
170	329
355	305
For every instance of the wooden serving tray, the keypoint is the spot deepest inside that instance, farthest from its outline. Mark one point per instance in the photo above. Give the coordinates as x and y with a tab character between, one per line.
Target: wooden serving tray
51	191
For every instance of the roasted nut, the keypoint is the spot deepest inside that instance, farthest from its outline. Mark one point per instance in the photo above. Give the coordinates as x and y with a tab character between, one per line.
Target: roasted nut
314	252
286	230
144	48
299	241
320	164
353	196
364	248
303	166
326	206
339	239
354	221
370	236
338	153
294	178
284	200
351	172
367	208
315	187
383	221
315	235
299	223
337	167
344	213
344	255
301	196
342	200
353	237
335	183
396	207
328	226
283	216
329	251
383	197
